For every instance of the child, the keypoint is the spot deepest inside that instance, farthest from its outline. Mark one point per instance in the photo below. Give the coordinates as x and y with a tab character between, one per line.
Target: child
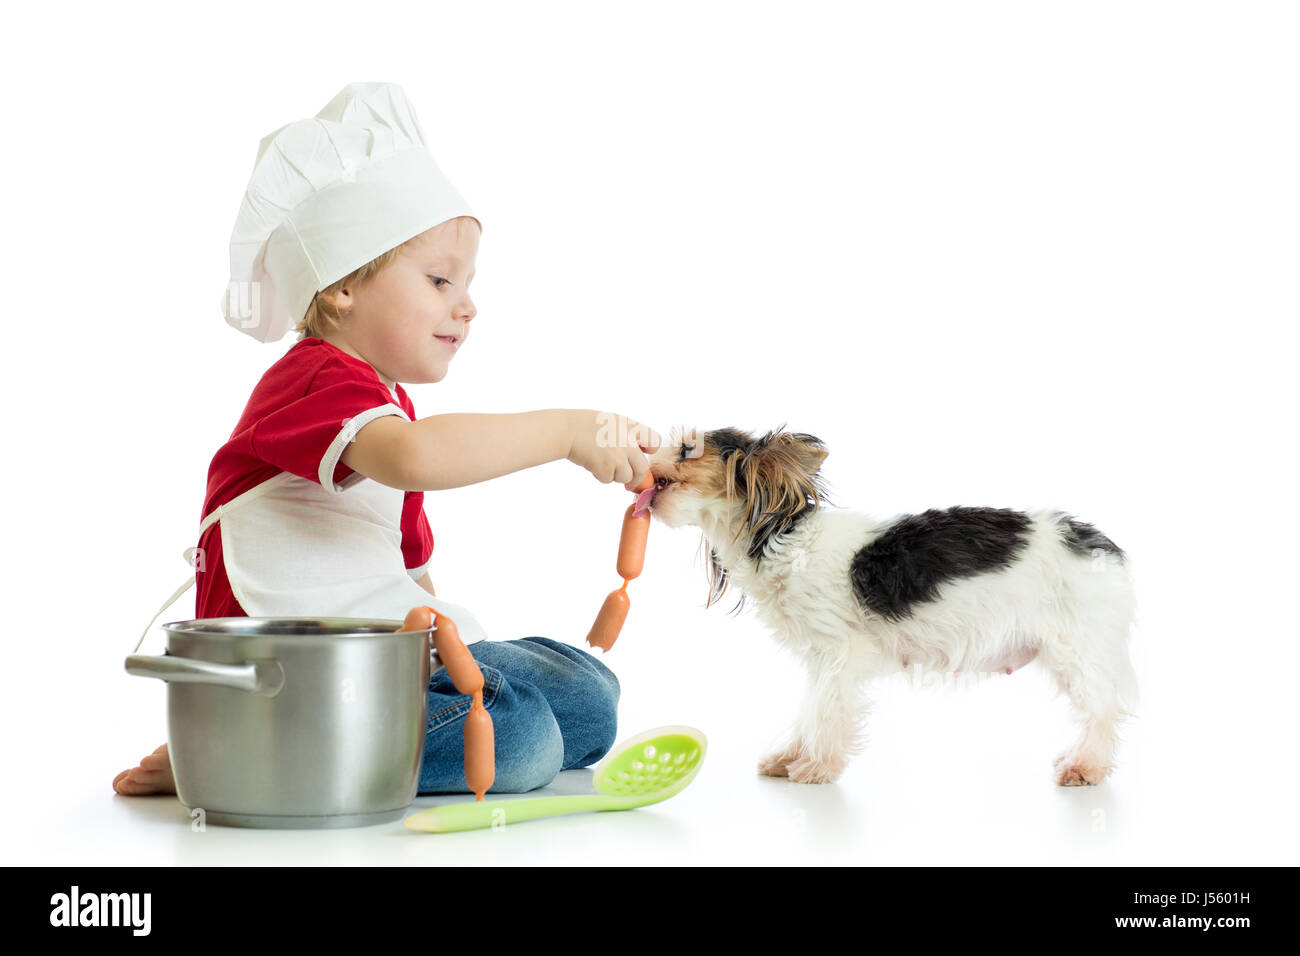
314	506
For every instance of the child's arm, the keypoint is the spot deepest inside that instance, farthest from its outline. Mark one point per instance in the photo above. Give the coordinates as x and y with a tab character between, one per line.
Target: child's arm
449	451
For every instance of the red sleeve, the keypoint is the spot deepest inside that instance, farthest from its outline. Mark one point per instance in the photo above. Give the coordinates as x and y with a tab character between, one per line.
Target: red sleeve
308	435
417	536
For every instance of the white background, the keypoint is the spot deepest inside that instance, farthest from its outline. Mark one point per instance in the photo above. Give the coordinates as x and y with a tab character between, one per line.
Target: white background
1006	254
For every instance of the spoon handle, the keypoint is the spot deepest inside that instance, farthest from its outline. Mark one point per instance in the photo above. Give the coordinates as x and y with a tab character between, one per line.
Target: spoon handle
476	815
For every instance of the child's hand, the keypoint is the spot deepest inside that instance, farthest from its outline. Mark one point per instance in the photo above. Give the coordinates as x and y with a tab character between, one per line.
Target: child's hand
611	446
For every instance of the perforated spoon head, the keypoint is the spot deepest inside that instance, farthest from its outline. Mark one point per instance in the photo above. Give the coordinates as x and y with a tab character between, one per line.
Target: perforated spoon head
651	766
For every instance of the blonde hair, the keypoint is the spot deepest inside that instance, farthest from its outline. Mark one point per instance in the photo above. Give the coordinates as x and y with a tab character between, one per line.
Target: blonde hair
321	315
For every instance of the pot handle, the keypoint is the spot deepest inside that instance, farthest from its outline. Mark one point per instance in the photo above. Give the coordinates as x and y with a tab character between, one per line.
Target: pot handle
263	678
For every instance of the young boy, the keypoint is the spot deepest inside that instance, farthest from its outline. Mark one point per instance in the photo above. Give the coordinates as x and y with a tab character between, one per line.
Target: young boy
315	505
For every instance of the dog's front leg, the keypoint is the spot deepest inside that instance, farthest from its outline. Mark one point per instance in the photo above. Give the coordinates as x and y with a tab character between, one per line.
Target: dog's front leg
828	730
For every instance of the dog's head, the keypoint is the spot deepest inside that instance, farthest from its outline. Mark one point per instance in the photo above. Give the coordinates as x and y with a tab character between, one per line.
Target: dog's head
728	482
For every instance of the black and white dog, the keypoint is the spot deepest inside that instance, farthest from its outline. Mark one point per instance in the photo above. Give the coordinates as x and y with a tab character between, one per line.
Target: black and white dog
956	590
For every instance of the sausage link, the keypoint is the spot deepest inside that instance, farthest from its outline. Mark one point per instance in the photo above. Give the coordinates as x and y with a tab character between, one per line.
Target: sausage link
418	619
631	543
480	761
460	663
609	621
480	744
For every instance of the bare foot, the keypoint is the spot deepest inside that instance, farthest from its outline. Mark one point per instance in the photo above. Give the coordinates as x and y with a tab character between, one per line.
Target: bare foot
154	775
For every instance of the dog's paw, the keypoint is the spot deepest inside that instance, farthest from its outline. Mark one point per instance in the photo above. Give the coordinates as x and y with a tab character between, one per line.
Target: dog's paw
778	764
808	770
1073	770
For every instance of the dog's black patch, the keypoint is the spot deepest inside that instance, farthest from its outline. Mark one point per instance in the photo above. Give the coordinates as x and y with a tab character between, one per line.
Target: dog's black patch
906	564
1082	538
728	441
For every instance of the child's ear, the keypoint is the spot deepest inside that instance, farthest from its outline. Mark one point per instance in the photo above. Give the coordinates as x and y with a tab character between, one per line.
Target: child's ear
340	300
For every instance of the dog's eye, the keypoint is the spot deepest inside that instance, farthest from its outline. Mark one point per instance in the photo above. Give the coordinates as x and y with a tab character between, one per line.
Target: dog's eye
686	449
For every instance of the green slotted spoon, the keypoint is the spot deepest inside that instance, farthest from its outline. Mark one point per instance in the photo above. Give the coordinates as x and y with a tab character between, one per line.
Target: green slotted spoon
645	769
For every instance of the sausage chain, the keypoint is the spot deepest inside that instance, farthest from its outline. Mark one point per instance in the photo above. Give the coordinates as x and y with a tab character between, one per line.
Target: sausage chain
631	559
480	759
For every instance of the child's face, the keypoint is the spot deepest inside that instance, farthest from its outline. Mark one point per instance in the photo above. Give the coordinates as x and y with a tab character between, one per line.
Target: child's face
395	320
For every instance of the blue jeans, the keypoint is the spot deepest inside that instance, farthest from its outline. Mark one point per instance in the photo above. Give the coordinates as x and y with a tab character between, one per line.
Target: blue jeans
554	707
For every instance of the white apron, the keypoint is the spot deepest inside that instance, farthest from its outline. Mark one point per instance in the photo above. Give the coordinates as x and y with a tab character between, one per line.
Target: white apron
293	549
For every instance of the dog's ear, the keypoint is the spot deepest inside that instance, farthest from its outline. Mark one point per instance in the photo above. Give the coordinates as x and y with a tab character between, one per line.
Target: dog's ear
779	449
795	454
807	452
779	477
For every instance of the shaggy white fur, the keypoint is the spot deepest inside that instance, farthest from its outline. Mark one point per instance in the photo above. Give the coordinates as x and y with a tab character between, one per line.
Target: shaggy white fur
1071	612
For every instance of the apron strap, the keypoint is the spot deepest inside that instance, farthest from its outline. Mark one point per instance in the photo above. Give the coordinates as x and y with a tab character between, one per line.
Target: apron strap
189	583
215	516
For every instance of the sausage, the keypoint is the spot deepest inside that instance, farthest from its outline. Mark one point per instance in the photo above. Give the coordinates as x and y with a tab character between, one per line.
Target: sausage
631	561
455	656
480	761
631	543
460	664
418	619
480	745
610	619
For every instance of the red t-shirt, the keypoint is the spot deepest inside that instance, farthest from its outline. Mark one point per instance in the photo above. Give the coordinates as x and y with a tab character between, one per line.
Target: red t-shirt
293	416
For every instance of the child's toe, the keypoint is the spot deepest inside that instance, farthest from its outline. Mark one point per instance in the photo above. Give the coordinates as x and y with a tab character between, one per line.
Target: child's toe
128	784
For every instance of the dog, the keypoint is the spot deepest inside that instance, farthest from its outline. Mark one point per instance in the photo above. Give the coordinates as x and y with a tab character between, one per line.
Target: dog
965	589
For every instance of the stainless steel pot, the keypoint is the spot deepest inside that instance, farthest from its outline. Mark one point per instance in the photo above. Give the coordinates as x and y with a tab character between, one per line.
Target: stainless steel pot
294	722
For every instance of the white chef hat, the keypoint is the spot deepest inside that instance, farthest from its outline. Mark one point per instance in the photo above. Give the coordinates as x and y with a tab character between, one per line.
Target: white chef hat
326	196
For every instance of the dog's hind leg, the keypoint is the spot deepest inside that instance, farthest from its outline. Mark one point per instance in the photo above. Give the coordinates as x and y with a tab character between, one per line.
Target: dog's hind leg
1094	671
